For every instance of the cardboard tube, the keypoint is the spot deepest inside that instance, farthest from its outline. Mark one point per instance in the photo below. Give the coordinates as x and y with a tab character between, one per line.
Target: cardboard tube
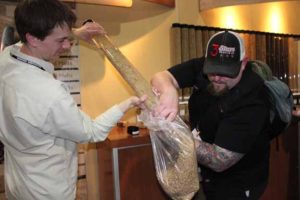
126	69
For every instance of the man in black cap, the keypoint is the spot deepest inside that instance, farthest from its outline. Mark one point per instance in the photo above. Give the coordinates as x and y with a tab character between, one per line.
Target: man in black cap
40	123
229	116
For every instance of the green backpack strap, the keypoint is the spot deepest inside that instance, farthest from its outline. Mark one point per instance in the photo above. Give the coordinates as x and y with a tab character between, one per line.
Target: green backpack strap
262	69
279	93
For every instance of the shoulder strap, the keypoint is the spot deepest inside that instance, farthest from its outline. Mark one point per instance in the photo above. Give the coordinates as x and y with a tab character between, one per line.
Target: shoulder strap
283	98
280	95
262	69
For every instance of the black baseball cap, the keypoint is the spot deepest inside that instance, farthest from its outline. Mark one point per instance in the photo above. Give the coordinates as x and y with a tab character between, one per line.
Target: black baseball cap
224	54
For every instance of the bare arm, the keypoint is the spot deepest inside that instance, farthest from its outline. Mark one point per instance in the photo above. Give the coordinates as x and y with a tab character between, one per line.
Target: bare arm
165	86
215	157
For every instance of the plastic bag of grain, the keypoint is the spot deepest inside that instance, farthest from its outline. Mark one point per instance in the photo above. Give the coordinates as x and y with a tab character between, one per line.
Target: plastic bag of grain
174	156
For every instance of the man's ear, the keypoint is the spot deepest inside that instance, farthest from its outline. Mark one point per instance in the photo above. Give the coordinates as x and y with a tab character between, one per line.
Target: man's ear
244	63
32	40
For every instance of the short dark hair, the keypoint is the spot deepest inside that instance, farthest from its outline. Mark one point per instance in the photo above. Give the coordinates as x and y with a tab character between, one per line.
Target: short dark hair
40	17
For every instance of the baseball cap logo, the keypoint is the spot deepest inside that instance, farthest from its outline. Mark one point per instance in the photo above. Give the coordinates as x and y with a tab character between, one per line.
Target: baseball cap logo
215	50
223	50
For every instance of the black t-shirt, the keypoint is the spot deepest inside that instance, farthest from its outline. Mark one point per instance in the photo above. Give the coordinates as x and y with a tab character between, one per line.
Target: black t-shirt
236	121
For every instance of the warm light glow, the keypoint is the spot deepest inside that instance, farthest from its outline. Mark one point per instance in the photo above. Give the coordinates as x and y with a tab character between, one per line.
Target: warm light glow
229	21
275	18
122	3
230	18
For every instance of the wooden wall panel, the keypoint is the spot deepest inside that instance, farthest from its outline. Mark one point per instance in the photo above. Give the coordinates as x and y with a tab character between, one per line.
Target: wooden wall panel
169	3
122	3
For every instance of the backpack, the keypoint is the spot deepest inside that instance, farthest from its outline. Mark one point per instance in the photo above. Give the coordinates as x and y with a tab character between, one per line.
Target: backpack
280	98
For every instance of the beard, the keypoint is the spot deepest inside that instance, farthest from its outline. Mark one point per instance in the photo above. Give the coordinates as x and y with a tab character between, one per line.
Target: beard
211	89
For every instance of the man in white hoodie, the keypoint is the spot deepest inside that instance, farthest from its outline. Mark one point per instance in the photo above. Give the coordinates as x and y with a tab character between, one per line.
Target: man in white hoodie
40	124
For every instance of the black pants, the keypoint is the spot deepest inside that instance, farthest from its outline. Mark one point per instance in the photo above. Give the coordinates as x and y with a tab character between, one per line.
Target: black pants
222	191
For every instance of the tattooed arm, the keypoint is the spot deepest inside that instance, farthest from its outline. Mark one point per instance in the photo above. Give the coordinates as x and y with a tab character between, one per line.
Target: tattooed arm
215	157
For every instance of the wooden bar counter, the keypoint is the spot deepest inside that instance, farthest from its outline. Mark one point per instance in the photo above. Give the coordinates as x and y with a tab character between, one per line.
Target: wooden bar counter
126	167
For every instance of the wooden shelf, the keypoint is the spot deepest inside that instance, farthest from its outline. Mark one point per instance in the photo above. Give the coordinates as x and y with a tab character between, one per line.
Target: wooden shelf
169	3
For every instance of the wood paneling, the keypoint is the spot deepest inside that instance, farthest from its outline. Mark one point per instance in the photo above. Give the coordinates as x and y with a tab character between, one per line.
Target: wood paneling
284	166
126	167
123	3
169	3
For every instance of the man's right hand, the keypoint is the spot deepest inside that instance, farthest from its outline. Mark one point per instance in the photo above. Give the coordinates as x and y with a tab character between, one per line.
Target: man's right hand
165	87
88	30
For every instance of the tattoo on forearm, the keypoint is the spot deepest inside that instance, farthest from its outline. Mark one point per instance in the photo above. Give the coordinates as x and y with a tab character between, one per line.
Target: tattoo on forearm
215	157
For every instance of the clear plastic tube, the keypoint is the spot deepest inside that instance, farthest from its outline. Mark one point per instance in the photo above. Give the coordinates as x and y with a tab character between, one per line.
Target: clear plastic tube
172	142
